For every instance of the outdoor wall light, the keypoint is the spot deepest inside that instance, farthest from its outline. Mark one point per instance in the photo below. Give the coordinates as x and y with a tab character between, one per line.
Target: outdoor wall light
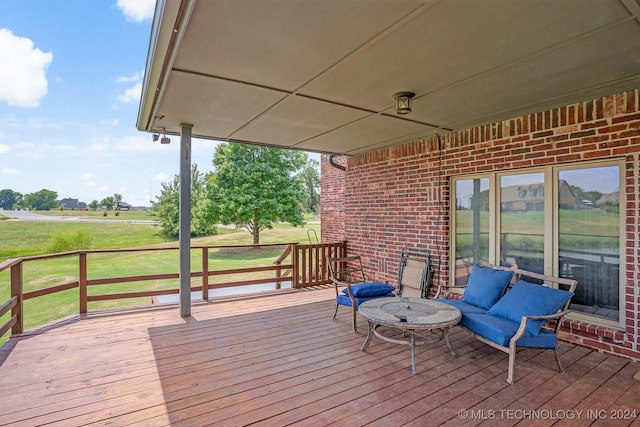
403	102
164	139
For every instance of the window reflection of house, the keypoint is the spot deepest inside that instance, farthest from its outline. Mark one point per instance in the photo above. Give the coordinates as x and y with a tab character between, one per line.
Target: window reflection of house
523	198
610	198
530	198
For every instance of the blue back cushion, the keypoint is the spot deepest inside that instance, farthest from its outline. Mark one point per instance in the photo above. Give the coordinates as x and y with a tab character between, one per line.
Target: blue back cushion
485	286
528	299
365	290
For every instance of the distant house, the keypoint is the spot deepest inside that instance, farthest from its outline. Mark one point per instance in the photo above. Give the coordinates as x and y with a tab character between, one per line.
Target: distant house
71	204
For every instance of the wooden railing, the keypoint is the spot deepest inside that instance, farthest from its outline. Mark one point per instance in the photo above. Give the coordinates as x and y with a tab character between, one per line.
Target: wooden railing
307	267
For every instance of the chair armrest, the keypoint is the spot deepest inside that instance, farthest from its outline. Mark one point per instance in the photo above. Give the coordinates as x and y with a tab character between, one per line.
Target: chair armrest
442	288
523	322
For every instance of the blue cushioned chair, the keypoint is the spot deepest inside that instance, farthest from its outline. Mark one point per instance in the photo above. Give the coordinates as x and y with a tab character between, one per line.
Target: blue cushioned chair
352	285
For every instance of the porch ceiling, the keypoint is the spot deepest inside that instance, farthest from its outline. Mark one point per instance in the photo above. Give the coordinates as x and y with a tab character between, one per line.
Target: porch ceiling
319	75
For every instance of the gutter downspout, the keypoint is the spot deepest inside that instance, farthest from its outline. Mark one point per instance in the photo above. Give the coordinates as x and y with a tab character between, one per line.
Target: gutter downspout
334	164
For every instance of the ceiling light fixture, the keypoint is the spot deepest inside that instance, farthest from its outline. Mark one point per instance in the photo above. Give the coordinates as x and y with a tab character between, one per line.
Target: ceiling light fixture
403	102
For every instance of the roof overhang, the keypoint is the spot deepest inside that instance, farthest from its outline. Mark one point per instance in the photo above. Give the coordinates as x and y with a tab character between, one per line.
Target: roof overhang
319	75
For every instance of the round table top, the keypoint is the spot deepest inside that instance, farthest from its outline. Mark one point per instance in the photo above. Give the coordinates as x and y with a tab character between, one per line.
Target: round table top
410	312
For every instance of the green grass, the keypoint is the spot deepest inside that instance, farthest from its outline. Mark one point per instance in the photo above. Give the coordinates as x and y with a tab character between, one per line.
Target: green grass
28	237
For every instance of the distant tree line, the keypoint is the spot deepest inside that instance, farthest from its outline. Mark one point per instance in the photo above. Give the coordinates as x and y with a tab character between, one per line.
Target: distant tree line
45	200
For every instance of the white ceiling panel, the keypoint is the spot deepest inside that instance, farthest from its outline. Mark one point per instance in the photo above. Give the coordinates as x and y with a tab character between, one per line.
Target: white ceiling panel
215	107
450	43
305	118
374	130
320	75
532	84
281	44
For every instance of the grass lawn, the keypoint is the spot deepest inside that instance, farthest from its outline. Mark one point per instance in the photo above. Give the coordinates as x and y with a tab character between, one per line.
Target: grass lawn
27	238
30	238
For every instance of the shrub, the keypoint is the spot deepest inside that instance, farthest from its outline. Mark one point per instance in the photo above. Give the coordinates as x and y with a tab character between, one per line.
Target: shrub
64	242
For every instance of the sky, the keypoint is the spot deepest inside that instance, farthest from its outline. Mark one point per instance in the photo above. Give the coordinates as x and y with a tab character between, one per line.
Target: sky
70	81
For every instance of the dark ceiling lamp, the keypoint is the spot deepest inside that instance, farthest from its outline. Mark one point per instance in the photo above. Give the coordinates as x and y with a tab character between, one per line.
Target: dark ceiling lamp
403	102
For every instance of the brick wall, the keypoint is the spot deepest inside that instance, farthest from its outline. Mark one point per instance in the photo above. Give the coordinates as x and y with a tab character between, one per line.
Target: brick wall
399	196
332	187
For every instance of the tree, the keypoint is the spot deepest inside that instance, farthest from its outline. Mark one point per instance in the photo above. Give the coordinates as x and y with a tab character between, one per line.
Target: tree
311	181
9	198
94	205
166	209
255	187
117	200
42	200
108	203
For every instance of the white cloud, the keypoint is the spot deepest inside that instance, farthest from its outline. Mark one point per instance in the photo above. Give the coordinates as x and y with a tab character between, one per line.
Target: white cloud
137	10
88	179
32	151
161	177
137	77
23	82
4	148
132	94
9	171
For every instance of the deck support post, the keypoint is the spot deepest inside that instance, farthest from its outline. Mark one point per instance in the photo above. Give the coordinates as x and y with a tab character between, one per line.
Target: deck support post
185	219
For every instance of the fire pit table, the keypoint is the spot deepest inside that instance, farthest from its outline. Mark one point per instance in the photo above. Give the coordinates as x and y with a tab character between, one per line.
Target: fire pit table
409	315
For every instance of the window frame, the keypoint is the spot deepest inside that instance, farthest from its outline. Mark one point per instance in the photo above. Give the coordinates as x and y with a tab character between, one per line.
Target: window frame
551	219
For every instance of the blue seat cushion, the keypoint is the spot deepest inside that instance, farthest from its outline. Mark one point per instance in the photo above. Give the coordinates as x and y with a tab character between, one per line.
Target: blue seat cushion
463	306
501	331
486	285
345	300
365	290
528	299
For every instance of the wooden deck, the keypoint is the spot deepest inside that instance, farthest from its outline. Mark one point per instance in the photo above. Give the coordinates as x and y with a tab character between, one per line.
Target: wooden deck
280	360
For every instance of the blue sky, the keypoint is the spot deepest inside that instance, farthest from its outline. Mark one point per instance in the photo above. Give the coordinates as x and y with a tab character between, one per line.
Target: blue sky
70	82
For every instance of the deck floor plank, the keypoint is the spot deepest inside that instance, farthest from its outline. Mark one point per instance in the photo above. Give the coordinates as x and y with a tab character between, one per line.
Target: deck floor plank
278	359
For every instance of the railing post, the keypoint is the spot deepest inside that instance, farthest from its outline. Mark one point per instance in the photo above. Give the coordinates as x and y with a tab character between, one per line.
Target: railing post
16	291
82	280
205	273
296	267
279	273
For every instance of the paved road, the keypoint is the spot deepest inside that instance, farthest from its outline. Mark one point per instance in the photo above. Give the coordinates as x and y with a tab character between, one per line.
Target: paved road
30	216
